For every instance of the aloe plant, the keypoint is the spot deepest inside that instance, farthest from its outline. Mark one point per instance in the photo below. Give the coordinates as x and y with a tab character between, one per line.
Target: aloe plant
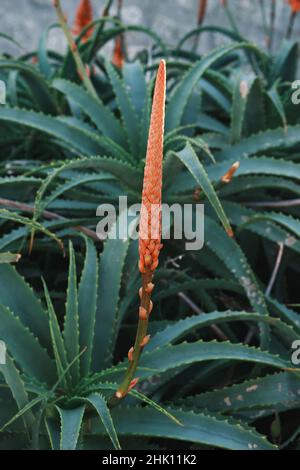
231	142
59	380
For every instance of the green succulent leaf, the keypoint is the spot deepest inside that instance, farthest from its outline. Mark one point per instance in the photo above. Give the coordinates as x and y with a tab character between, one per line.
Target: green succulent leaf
197	427
38	86
129	116
71	422
197	170
94	108
87	303
259	393
110	276
27	351
185	87
169	357
17	387
19	298
71	324
98	402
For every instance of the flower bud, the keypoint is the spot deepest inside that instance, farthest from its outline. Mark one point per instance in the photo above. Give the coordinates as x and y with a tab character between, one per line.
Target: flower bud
130	354
145	341
143	313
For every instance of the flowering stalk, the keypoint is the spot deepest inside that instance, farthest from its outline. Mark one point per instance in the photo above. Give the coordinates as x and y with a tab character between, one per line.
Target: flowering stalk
150	228
262	5
118	54
107	8
83	17
202	4
118	58
81	69
272	21
224	4
295	8
91	48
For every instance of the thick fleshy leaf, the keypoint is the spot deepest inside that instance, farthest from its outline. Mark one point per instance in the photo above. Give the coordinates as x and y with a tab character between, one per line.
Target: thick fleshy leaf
100	405
197	427
71	421
26	351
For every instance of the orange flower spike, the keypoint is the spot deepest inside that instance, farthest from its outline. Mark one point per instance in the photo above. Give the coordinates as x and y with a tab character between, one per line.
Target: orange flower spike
201	11
118	55
150	221
84	16
229	174
295	5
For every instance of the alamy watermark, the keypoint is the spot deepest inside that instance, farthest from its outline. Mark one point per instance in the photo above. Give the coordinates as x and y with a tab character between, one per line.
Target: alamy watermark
2	92
2	353
296	94
295	358
178	221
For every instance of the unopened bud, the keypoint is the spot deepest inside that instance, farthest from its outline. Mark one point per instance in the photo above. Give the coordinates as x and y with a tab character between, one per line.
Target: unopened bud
143	313
130	354
230	233
149	287
133	384
154	265
229	174
148	260
142	267
88	70
145	341
197	194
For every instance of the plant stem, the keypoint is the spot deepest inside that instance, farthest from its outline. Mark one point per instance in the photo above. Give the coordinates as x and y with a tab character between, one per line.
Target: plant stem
74	49
140	335
275	269
264	21
290	25
46	214
272	21
230	17
252	330
202	4
93	44
218	332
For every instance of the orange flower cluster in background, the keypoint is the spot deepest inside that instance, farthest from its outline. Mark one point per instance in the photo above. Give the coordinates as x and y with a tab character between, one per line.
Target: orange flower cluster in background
295	5
118	55
84	15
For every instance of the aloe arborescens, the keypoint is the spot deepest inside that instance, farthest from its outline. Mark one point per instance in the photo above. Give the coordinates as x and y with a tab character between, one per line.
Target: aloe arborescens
150	225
